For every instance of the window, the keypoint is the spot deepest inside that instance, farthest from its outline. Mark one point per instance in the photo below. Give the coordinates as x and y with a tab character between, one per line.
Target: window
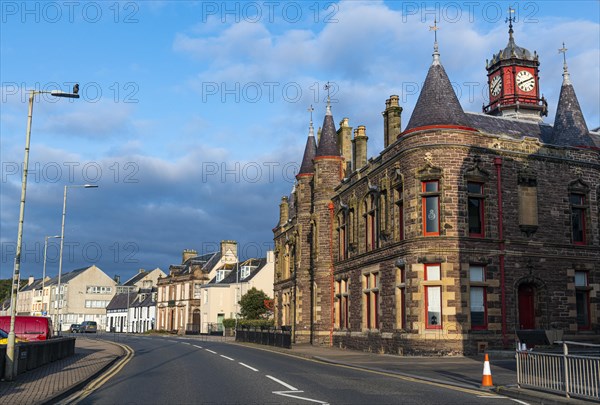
582	298
383	214
400	298
478	297
371	300
475	202
433	297
578	209
341	296
96	303
197	291
370	222
342	235
285	315
431	207
92	289
400	211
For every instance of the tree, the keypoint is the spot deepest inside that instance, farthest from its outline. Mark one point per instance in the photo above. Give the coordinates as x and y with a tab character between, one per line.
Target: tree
252	304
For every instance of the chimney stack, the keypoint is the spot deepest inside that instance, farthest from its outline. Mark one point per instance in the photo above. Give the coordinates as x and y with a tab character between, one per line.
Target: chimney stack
392	120
345	143
360	147
284	210
188	254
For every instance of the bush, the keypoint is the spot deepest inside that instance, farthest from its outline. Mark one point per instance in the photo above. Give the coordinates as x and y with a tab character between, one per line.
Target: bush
256	323
229	323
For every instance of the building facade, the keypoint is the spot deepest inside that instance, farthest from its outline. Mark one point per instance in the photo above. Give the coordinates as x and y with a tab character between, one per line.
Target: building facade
221	296
179	294
467	229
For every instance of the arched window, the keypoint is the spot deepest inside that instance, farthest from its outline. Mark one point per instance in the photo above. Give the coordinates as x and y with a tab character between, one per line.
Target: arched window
370	217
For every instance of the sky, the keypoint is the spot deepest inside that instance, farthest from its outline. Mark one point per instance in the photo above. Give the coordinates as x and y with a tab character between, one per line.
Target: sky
193	116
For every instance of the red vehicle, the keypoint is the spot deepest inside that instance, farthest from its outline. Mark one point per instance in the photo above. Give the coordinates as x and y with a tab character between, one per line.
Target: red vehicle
30	328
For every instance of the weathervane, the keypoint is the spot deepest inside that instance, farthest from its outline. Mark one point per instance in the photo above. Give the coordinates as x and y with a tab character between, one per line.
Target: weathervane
510	20
310	110
327	87
436	54
564	50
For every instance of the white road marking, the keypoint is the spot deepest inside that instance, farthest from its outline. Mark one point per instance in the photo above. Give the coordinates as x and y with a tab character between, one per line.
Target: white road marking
503	397
228	358
208	350
199	347
185	343
519	402
286	385
247	366
289	394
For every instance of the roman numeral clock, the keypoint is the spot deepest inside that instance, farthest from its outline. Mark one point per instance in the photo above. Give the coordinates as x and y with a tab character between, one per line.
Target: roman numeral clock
513	80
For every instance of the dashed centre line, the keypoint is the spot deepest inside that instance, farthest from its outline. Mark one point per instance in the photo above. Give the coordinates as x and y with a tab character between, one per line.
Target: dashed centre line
199	347
208	350
247	366
228	358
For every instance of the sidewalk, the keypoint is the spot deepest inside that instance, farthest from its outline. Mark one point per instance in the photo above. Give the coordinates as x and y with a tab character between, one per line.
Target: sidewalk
45	383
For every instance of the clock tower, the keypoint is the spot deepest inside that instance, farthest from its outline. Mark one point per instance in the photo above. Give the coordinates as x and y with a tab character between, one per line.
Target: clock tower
513	80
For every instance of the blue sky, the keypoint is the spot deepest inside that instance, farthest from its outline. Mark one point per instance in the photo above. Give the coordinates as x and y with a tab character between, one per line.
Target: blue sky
193	115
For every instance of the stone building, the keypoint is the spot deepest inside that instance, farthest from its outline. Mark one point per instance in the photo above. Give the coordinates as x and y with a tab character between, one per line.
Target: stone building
467	229
179	294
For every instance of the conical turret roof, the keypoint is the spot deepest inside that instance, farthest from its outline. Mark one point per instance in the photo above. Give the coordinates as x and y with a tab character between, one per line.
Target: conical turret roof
310	151
437	103
570	128
328	145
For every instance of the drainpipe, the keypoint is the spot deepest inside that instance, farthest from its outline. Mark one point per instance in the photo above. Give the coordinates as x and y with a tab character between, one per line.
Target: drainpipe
498	164
331	290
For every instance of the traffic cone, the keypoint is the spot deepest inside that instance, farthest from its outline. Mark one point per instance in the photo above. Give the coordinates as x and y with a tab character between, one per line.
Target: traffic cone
486	380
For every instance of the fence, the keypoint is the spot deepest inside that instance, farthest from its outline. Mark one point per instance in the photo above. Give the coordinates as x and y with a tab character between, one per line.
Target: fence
30	355
270	337
568	374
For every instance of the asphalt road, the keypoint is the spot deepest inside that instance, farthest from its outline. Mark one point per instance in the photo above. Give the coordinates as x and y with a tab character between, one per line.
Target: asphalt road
177	370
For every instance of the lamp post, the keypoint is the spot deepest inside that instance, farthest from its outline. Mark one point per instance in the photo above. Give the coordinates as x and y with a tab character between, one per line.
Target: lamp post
60	258
44	271
10	346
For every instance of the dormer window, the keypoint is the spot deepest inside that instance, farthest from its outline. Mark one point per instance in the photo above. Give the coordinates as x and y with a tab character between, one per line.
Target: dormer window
245	271
221	275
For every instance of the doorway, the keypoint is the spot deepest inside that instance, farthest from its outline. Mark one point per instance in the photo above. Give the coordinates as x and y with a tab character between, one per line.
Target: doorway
526	306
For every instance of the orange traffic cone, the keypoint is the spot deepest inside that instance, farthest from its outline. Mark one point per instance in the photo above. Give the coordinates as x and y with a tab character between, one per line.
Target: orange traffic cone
486	381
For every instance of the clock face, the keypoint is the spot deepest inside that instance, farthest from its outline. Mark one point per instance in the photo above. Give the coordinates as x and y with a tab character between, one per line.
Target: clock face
525	80
496	85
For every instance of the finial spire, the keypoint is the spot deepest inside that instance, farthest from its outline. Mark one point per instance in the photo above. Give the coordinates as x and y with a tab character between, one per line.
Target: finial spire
327	87
311	129
436	53
566	78
510	20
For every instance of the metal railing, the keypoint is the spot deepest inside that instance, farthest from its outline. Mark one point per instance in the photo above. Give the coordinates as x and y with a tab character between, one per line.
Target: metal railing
568	374
270	336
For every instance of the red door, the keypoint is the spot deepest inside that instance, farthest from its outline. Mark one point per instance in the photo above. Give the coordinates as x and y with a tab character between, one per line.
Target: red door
526	306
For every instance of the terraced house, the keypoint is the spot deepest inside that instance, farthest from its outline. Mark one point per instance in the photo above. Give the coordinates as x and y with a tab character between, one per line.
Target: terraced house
467	229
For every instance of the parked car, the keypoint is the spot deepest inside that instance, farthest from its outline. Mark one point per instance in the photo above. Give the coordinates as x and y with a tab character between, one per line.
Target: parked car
4	338
88	327
75	327
29	328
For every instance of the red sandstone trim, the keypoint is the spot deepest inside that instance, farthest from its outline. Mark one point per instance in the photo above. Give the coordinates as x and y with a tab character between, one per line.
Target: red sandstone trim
427	127
305	175
328	157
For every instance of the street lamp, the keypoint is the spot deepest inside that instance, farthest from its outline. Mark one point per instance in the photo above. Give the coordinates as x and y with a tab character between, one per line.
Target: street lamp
10	346
62	242
44	271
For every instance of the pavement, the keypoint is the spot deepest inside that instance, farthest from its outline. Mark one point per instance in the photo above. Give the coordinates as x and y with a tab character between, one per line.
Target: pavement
93	357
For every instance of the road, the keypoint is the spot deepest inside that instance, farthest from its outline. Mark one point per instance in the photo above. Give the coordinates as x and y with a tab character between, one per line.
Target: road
180	370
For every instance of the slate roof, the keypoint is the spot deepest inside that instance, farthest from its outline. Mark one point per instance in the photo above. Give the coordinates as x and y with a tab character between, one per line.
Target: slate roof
119	301
36	285
437	103
206	261
310	151
328	145
512	50
66	277
140	275
570	128
231	278
510	127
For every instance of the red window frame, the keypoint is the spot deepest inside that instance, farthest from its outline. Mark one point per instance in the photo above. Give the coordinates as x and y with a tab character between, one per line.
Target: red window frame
426	195
584	291
427	324
478	196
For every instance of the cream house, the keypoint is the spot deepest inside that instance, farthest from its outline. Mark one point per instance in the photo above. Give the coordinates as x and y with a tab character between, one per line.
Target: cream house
84	295
220	297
